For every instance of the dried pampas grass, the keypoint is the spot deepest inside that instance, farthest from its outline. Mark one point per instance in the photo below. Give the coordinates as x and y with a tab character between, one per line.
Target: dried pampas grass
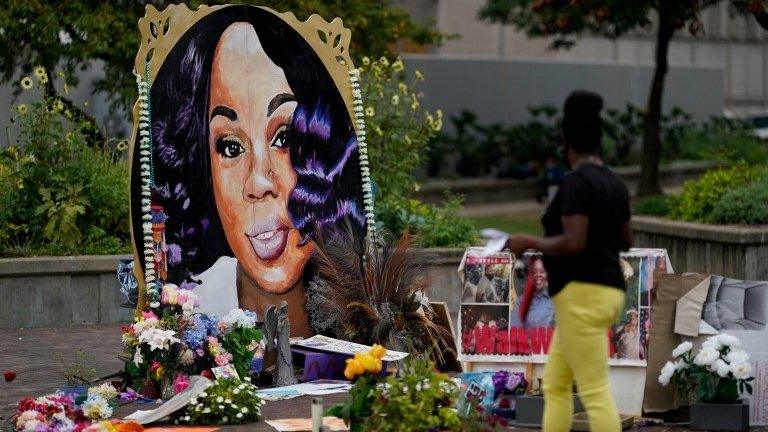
373	292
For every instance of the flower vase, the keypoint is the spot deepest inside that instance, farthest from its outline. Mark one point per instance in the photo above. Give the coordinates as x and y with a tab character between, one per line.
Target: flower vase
150	389
166	387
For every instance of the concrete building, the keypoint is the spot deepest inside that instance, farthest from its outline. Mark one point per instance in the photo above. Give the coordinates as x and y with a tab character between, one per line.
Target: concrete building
733	47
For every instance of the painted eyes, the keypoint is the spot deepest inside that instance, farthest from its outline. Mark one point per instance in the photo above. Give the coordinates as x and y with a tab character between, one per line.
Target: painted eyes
230	146
281	138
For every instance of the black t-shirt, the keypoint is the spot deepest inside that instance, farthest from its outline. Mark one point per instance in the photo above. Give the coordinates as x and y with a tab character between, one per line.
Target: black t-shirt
596	192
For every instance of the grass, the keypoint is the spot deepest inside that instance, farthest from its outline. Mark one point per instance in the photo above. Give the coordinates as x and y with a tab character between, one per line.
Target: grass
529	224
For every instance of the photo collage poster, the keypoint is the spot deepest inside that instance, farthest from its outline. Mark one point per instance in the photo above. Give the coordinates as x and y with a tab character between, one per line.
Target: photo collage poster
486	298
529	340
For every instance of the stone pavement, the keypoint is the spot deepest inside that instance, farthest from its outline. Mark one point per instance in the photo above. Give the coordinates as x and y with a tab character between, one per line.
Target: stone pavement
34	354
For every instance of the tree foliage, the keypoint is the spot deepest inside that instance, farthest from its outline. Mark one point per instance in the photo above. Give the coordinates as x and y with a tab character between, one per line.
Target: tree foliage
565	20
67	36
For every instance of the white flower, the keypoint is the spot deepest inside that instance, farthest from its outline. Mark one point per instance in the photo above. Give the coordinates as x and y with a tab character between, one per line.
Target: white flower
721	368
729	340
239	317
206	410
244	410
96	408
137	357
682	349
158	339
737	356
741	371
64	37
239	415
713	342
706	356
680	365
666	373
32	426
219	399
106	390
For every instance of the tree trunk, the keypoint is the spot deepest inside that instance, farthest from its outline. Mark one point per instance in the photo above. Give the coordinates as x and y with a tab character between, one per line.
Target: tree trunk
649	175
95	137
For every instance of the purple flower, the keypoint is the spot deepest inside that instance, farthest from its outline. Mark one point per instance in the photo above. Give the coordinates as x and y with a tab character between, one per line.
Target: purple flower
129	395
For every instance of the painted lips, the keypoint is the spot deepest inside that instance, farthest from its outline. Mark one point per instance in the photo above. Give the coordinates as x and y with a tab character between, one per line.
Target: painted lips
268	238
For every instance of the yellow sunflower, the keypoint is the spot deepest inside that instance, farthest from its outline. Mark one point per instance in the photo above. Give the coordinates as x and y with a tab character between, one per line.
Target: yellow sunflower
22	109
58	105
370	112
26	83
70	136
41	74
122	145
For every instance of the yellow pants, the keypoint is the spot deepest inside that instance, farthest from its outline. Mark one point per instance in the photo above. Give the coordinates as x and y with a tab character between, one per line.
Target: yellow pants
579	352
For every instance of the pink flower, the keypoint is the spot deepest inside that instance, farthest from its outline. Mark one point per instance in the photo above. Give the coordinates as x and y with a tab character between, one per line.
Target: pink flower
148	315
222	359
180	383
155	366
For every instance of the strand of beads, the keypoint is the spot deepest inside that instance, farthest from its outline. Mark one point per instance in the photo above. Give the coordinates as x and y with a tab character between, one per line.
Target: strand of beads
354	78
147	181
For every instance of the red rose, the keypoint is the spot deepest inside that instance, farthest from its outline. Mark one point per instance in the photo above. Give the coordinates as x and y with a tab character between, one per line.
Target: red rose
26	404
207	373
504	403
9	375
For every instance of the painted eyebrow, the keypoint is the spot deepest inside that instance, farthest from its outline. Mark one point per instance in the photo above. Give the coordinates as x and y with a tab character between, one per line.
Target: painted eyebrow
224	111
279	100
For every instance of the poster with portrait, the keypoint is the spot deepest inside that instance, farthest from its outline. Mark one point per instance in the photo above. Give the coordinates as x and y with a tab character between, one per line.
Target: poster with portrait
253	149
529	340
487	293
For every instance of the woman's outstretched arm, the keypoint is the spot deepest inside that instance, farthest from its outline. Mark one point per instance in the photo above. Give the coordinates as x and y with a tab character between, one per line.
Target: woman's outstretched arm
570	242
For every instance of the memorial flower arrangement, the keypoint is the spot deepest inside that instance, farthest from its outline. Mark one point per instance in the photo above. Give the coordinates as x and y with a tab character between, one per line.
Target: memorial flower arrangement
507	386
168	343
228	401
365	370
419	397
59	413
718	373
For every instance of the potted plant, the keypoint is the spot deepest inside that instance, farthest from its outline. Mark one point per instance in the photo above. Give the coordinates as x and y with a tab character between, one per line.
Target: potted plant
713	379
78	375
365	370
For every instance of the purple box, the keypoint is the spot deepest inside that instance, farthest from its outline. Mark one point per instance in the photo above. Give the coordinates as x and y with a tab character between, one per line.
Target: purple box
322	365
319	365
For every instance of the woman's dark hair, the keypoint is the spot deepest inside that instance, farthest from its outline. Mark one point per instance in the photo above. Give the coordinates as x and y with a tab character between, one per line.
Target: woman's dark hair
323	153
582	125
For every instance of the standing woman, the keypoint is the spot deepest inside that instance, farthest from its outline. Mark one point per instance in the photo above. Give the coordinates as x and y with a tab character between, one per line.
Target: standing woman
586	226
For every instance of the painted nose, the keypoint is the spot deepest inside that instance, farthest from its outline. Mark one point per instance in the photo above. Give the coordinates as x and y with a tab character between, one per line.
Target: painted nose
260	183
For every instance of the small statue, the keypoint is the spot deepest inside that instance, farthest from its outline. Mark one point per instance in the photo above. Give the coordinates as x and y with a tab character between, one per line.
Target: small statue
276	325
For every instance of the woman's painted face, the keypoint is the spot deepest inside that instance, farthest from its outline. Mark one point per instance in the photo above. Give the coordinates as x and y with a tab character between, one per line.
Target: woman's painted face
539	275
250	110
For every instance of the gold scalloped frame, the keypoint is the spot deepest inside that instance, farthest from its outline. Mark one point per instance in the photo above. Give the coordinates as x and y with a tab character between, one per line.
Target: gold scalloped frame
161	30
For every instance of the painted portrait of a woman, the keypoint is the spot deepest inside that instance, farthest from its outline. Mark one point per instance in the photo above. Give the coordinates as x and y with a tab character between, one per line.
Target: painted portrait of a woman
254	152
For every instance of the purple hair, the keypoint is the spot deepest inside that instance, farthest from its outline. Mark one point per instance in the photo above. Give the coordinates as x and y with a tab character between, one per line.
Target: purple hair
323	151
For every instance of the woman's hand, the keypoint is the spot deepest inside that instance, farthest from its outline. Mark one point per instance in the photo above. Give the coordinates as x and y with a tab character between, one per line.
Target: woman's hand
519	243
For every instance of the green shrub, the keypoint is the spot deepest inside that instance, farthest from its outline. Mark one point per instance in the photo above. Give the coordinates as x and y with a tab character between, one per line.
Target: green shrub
659	205
700	196
398	132
432	225
725	140
743	205
59	195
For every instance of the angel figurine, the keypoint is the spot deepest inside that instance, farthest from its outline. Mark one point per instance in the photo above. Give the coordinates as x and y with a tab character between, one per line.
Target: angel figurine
277	326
